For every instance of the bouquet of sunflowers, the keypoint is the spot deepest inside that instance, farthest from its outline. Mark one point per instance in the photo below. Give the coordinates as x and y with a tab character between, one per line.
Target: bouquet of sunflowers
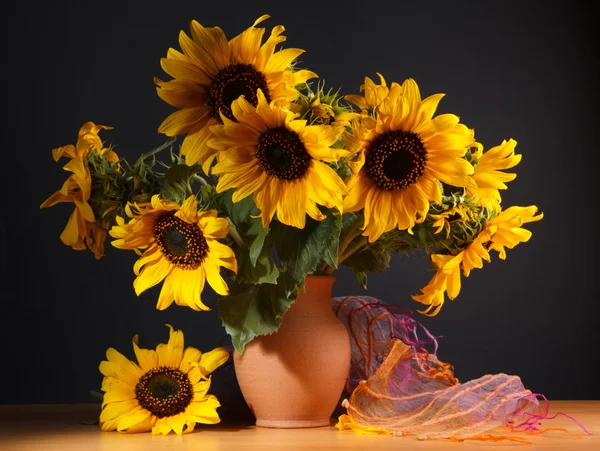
275	177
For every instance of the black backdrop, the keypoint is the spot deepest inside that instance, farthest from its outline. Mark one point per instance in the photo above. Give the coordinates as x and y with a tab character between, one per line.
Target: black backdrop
524	70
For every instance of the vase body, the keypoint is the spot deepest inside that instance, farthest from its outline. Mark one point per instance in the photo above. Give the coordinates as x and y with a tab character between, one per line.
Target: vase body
294	378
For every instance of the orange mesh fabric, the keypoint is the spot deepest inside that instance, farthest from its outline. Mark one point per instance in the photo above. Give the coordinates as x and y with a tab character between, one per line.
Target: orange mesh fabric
398	385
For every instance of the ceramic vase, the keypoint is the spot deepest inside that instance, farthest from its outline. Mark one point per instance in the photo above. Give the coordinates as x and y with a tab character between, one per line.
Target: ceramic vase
294	378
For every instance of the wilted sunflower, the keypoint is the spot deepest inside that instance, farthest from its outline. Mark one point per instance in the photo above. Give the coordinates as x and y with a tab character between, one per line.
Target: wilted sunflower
444	220
276	158
165	391
503	231
82	230
212	72
403	151
180	246
488	177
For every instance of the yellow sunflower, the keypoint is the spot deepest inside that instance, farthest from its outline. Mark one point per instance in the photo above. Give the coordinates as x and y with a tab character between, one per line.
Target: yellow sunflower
503	231
403	151
212	72
488	177
82	230
166	390
180	246
268	154
322	111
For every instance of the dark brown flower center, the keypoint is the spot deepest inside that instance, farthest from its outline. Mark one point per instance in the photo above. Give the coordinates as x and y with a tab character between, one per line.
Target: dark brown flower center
395	160
183	244
282	154
164	391
232	82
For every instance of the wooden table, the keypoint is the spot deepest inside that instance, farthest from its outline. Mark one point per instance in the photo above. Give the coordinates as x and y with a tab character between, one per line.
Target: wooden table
59	428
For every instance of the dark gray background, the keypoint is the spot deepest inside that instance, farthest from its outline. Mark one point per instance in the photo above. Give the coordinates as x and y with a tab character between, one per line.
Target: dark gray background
522	70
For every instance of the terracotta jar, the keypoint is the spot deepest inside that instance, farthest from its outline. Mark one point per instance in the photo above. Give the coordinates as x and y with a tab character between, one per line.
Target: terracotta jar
295	377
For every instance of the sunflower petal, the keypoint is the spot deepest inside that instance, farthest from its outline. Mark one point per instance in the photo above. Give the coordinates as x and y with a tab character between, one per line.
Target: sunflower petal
211	360
152	275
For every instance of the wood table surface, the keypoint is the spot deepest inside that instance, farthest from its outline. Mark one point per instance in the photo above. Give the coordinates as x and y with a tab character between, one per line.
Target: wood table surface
61	427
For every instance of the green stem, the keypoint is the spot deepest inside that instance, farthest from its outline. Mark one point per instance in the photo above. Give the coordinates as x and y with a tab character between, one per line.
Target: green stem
322	269
235	234
189	191
352	232
200	179
345	239
167	144
360	244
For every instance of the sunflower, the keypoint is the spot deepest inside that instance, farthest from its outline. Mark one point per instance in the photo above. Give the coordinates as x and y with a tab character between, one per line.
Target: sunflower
321	112
324	109
268	154
212	72
166	390
488	177
82	230
180	246
444	220
403	154
503	231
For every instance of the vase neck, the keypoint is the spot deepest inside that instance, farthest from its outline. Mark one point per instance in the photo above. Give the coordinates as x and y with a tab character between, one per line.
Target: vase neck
317	292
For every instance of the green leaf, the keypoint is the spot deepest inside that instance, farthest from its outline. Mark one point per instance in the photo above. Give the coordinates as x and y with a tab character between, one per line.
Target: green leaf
97	395
181	173
369	260
332	242
257	310
348	219
172	193
208	198
259	233
263	270
299	250
403	242
255	262
361	276
240	212
177	182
